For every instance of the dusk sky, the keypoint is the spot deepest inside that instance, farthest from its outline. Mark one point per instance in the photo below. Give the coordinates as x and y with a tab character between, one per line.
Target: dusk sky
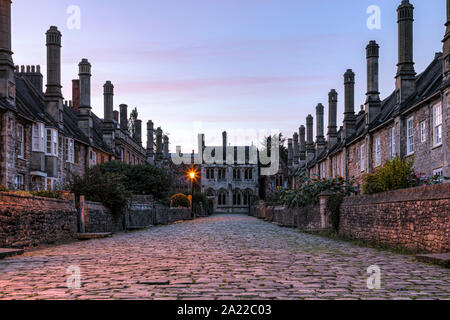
236	65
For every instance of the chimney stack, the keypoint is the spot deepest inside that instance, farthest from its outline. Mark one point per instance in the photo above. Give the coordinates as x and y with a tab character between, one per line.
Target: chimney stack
150	141
290	153
320	138
406	75
302	132
76	94
296	149
310	149
53	94
85	85
138	132
108	98
446	49
332	118
7	80
373	102
349	112
224	139
116	116
123	117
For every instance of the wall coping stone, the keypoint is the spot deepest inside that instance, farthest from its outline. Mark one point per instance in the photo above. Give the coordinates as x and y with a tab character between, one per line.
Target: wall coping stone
20	196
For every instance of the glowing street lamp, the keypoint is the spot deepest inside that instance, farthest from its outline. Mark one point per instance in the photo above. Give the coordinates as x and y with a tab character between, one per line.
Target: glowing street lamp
192	175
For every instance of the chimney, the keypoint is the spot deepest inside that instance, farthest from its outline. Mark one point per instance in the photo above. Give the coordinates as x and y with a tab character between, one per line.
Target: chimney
123	117
7	80
373	102
138	132
310	149
33	75
85	85
108	98
150	141
349	112
76	94
166	147
332	118
446	49
302	132
290	153
320	139
159	142
116	116
224	139
53	94
406	75
296	149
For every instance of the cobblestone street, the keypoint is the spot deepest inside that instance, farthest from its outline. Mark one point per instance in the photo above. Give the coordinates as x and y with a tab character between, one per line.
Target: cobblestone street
220	257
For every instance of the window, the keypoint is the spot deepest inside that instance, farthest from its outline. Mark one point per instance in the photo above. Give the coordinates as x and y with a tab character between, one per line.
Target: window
77	154
393	153
423	132
69	151
221	174
378	151
437	120
19	182
236	174
20	141
356	156
410	136
438	174
248	174
222	198
93	158
38	137
363	151
52	143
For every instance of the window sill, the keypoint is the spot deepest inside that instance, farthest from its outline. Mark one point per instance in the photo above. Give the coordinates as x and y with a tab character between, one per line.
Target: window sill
20	158
436	146
409	154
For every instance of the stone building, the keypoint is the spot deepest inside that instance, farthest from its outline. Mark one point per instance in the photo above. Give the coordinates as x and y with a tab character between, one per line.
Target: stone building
411	123
45	140
229	176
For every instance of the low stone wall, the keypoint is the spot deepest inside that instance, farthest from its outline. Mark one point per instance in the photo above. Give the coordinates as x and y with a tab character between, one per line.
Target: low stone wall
140	212
165	215
416	219
27	221
98	219
305	218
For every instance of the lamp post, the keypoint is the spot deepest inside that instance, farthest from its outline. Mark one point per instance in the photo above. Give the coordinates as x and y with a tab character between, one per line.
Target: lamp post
192	176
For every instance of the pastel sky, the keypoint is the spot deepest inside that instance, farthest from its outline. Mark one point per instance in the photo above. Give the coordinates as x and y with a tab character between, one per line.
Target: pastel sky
213	65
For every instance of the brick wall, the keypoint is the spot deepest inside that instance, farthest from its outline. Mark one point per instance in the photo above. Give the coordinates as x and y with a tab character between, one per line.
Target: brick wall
30	221
416	219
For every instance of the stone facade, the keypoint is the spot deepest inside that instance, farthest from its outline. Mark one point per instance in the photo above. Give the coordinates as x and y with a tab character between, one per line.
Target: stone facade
30	221
415	219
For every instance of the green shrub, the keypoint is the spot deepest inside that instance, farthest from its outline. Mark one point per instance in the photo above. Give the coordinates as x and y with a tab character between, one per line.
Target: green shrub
180	200
107	188
370	184
47	194
201	200
3	188
309	189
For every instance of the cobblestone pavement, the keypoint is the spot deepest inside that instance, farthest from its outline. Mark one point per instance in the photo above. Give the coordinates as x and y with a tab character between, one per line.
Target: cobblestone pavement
220	257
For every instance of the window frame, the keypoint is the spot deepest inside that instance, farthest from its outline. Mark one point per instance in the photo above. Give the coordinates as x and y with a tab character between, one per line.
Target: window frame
362	157
437	124
378	151
393	145
423	131
20	138
410	136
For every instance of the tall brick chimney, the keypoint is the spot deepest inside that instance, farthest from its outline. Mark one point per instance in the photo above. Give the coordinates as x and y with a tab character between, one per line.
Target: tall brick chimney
53	94
116	116
310	148
296	149
302	135
446	49
373	102
76	94
123	117
150	141
406	75
159	143
332	118
85	117
349	112
290	153
108	119
138	131
7	81
320	139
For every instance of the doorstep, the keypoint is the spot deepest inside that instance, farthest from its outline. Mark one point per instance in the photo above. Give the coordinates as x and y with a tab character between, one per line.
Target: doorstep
442	259
4	253
88	236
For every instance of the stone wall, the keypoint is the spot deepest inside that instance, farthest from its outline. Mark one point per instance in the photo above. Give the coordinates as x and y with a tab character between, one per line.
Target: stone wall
27	221
98	219
416	219
305	218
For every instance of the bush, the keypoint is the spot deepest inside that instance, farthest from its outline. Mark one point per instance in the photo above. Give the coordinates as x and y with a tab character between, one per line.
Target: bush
309	189
3	188
200	198
370	184
47	194
180	200
107	188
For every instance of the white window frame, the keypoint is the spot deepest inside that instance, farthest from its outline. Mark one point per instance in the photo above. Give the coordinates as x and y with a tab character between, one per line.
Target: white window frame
93	158
423	131
393	152
410	136
439	172
51	147
437	124
19	182
363	156
21	141
378	151
70	150
38	137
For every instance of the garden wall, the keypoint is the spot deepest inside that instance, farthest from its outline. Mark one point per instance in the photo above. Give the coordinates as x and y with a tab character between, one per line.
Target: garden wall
416	218
305	218
27	221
